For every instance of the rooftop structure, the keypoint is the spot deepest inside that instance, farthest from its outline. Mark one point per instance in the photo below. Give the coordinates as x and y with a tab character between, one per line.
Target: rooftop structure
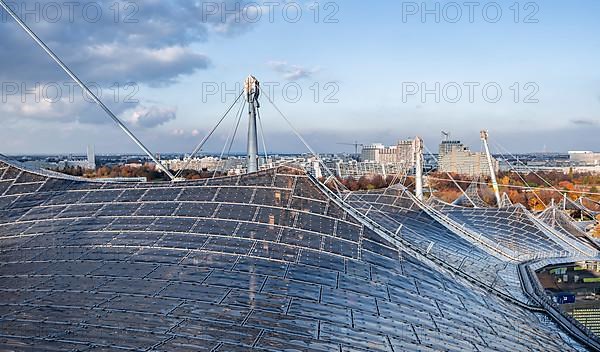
270	260
266	261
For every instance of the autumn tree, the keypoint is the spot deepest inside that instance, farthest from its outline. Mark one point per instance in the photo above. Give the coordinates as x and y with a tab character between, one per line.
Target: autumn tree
596	231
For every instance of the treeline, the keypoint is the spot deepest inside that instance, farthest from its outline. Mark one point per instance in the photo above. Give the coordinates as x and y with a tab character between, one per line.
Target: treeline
530	190
147	170
533	190
371	182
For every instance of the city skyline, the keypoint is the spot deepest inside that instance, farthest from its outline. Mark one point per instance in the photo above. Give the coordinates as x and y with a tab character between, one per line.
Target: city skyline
181	57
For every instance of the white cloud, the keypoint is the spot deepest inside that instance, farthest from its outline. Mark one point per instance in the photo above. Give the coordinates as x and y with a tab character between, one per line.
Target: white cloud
156	48
151	117
292	72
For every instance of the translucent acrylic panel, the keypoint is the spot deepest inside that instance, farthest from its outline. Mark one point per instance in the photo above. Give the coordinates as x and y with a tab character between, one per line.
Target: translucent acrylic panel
102	196
157	209
284	181
186	241
301	238
30	200
275	216
119	209
305	188
4	185
66	198
275	251
172	224
56	185
23	188
378	248
258	231
322	260
130	224
11	173
11	215
261	266
161	194
216	227
273	197
234	195
136	239
228	245
236	212
223	181
315	223
340	247
196	209
263	178
131	195
198	194
309	205
80	210
300	272
27	177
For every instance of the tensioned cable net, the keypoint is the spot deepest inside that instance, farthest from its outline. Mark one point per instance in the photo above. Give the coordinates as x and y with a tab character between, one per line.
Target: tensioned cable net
268	261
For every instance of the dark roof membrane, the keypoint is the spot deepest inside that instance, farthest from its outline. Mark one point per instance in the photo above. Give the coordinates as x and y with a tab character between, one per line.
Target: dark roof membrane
264	262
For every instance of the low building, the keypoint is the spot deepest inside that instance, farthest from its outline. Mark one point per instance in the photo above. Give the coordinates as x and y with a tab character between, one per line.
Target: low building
584	158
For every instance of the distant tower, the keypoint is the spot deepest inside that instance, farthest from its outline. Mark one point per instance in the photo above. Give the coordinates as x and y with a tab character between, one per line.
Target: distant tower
252	92
317	169
91	157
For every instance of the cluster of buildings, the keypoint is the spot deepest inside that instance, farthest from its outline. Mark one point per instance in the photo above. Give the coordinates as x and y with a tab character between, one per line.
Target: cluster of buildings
401	158
374	159
87	162
234	165
379	159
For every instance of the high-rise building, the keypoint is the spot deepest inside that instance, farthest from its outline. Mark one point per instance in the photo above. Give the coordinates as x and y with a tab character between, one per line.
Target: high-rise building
403	152
457	158
448	146
91	157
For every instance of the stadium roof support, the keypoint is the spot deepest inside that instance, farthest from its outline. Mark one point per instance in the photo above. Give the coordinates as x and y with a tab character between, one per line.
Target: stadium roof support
419	168
252	91
484	139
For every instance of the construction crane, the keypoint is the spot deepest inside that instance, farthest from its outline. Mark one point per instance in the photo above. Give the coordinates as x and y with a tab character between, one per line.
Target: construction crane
355	144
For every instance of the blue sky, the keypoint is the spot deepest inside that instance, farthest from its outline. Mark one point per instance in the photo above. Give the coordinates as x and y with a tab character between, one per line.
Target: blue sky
368	57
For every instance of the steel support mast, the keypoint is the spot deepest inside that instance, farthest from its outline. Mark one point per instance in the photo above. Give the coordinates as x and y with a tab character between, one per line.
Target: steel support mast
484	139
252	91
419	168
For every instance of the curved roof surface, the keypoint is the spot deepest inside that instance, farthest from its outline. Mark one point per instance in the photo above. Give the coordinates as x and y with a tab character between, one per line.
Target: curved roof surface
266	262
516	229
